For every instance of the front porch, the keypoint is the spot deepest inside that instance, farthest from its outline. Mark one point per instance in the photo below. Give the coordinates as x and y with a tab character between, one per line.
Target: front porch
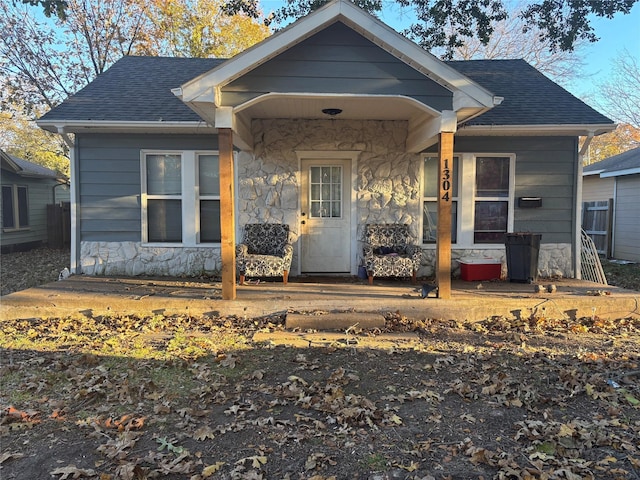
471	301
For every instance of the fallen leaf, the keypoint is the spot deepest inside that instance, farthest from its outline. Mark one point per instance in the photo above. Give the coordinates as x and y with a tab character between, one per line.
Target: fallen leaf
203	433
8	456
211	469
74	471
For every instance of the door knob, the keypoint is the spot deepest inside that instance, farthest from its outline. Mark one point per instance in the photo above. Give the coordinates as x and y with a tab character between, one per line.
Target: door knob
303	222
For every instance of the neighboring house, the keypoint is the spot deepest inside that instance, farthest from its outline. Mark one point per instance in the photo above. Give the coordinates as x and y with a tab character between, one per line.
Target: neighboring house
616	180
27	189
330	124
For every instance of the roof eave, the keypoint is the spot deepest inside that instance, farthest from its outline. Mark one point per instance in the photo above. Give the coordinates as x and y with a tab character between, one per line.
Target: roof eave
79	126
548	129
620	173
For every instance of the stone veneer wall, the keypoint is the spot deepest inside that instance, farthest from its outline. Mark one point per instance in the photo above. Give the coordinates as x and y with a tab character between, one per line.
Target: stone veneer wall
131	258
388	178
554	260
387	190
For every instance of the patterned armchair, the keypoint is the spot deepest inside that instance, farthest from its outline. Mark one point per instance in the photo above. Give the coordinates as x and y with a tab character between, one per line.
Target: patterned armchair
389	252
265	251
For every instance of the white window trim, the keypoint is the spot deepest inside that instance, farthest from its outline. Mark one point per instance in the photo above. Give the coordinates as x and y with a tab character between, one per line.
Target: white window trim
15	204
423	198
190	198
467	197
509	198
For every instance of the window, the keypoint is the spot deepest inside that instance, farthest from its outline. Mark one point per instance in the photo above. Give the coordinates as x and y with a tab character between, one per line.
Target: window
15	207
326	189
482	190
180	198
164	198
491	199
430	201
209	193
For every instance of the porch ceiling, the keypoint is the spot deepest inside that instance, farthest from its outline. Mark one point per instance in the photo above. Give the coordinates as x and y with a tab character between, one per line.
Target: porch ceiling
354	107
423	122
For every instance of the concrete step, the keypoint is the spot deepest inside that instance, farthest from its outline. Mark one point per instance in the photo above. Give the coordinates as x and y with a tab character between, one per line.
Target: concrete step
334	321
406	340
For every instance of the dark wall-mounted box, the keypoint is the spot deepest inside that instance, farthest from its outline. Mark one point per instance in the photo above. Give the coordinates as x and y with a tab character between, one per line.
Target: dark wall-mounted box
529	202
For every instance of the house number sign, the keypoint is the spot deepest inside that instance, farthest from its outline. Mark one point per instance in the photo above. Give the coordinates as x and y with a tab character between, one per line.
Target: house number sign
446	181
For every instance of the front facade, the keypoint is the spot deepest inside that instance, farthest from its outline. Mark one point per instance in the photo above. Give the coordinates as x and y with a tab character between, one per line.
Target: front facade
617	180
334	123
27	189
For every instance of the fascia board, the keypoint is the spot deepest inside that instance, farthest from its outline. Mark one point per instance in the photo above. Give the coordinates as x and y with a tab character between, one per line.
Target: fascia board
591	173
71	126
367	25
549	129
14	166
620	173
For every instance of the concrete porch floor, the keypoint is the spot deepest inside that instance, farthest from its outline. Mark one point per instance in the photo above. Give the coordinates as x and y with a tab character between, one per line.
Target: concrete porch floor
470	301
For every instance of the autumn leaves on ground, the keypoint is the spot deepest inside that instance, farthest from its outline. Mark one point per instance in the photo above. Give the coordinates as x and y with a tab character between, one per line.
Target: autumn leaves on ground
195	398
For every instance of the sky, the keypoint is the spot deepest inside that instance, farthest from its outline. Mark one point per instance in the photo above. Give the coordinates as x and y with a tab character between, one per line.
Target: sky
616	34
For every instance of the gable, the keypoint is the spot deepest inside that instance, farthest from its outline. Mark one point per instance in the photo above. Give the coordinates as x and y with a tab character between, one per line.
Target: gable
337	60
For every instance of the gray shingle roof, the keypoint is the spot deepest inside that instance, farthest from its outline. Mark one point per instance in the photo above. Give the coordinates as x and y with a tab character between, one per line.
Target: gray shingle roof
139	89
28	169
135	89
624	161
530	98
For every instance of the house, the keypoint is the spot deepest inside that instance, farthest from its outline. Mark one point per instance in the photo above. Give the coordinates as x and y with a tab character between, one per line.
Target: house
27	189
616	180
335	122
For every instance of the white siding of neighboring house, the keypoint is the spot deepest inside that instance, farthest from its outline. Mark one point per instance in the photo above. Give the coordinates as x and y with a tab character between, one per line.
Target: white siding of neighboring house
596	189
626	244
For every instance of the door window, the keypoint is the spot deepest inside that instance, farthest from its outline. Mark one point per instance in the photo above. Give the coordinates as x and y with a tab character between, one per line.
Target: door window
325	194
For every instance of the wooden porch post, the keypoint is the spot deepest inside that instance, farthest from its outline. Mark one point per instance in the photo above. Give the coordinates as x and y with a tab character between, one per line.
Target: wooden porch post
443	242
227	214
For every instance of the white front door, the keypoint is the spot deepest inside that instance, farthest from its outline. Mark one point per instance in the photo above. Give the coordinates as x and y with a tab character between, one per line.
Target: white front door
326	216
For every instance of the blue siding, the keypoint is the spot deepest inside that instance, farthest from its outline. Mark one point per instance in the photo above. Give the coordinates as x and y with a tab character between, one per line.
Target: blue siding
109	178
545	167
337	60
40	194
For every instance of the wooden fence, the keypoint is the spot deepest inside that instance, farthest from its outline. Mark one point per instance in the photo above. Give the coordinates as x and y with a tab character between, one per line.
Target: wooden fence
59	225
597	222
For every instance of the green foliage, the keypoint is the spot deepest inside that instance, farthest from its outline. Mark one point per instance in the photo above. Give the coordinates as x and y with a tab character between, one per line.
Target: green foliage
50	7
561	22
24	139
564	22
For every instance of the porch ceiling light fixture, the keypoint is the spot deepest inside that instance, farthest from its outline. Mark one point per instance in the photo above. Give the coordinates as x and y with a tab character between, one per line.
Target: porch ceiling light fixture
332	111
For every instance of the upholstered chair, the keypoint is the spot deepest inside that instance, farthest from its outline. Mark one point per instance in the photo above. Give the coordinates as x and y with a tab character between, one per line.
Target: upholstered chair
265	251
389	251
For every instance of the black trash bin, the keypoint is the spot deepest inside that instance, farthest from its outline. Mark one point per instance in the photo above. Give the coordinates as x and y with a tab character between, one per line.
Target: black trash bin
522	256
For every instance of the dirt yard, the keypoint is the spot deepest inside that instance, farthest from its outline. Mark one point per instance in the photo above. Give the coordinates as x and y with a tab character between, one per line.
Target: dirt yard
124	397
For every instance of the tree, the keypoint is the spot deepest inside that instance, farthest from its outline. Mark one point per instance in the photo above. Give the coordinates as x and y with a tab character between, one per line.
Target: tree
623	138
21	137
43	63
621	91
509	41
200	28
560	22
50	7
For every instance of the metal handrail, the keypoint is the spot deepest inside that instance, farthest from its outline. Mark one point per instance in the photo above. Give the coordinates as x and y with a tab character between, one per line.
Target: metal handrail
590	261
